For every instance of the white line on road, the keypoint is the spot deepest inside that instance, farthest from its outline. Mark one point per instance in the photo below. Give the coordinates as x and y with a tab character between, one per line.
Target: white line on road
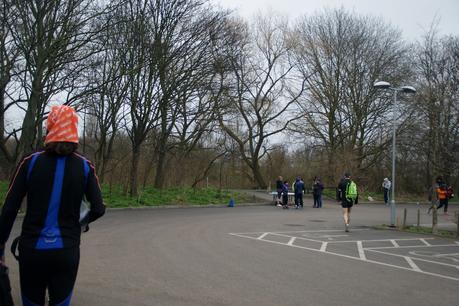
412	264
302	238
284	234
415	258
379	240
425	242
263	236
323	247
329	237
310	231
351	257
361	251
291	241
394	243
413	246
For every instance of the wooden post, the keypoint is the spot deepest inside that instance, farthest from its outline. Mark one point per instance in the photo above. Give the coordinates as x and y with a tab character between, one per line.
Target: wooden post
435	220
457	223
404	218
418	223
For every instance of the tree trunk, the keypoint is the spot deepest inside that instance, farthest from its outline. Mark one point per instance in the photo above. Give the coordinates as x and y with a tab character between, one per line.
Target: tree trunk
159	177
28	132
331	166
28	142
161	148
148	167
134	171
2	115
6	158
258	176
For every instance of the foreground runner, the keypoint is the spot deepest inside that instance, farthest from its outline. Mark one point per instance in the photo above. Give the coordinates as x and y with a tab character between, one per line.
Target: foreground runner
54	181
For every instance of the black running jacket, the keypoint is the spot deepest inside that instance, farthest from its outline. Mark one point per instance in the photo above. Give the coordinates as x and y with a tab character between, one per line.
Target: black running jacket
54	186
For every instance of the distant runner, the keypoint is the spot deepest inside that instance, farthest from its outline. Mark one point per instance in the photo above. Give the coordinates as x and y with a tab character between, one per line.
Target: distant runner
347	194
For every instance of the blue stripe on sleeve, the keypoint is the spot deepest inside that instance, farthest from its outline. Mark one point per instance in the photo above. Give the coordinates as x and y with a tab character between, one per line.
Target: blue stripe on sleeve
86	172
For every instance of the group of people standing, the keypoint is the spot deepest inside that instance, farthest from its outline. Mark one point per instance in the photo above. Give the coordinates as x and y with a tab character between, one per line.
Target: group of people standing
298	189
346	194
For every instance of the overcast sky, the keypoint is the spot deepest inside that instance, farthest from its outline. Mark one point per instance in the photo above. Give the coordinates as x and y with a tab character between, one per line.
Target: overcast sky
413	17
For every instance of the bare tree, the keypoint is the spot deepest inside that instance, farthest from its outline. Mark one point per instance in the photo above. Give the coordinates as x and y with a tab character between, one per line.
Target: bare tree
259	104
53	39
437	105
183	32
9	54
341	55
108	77
142	79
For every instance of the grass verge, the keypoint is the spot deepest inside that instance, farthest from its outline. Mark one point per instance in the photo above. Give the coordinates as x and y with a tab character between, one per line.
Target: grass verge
185	196
149	196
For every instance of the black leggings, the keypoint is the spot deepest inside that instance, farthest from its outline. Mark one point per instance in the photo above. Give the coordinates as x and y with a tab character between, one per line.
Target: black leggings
55	270
444	204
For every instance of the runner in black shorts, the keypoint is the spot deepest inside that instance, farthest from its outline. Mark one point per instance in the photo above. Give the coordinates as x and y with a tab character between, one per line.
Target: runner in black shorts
345	203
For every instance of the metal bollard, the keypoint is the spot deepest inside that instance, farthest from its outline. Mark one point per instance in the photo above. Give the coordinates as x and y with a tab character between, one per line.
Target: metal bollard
418	223
457	223
434	220
404	218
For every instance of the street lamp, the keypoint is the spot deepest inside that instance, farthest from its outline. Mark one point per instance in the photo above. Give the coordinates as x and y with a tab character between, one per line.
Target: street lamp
404	89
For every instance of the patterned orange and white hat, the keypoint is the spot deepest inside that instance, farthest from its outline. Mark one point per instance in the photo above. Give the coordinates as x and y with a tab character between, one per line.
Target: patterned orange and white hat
62	125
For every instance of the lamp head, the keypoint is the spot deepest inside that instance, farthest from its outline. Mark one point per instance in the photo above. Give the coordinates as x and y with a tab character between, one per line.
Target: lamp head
408	89
381	85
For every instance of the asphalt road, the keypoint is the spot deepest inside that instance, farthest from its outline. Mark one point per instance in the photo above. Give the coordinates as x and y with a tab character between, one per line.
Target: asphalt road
260	255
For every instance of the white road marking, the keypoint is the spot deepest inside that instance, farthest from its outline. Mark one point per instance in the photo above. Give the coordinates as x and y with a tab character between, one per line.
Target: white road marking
413	246
308	239
381	240
424	241
291	241
434	255
352	257
361	250
284	234
309	231
415	258
412	264
329	237
323	247
263	236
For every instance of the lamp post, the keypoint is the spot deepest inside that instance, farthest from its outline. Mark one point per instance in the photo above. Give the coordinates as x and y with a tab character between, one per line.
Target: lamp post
404	89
